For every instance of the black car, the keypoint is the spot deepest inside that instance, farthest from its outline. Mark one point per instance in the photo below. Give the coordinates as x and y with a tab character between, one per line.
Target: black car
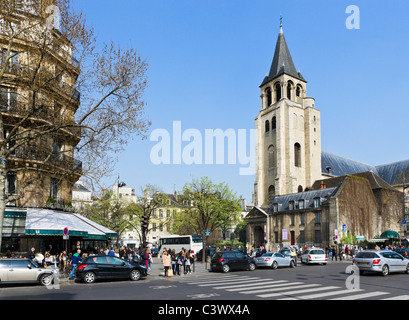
154	252
108	267
231	260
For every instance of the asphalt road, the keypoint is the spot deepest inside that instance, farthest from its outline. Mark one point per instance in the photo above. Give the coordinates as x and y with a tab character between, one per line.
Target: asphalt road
303	282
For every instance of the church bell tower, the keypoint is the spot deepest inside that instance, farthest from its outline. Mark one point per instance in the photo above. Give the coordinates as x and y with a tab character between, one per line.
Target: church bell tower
288	131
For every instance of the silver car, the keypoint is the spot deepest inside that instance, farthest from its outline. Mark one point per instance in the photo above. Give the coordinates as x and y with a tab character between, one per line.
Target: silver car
24	271
383	261
275	260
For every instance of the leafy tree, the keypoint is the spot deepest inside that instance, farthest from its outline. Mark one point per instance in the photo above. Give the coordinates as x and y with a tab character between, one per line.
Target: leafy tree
207	206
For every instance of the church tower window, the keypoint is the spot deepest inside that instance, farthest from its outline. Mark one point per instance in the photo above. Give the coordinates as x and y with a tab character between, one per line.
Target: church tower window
289	89
297	155
278	91
267	126
269	98
273	123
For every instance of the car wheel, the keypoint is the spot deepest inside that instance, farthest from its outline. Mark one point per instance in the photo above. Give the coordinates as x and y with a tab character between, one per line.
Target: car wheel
274	265
89	277
226	268
385	270
407	269
135	275
252	266
46	279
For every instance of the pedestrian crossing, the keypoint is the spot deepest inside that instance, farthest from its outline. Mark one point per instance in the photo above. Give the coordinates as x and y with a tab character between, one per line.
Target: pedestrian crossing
265	288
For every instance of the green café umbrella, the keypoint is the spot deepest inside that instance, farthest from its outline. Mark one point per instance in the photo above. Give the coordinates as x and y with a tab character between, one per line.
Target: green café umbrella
389	234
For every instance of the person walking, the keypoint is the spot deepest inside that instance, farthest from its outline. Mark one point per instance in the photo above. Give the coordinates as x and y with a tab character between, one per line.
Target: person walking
166	261
76	259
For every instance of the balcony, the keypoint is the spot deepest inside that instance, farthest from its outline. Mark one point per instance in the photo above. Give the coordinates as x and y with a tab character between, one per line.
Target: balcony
45	155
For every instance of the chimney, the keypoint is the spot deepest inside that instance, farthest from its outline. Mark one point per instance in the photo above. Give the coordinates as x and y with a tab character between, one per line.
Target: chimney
323	186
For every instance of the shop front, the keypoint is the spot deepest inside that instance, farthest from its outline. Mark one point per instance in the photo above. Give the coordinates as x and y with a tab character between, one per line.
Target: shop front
43	229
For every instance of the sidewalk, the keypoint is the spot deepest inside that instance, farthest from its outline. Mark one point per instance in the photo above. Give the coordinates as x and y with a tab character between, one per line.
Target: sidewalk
158	271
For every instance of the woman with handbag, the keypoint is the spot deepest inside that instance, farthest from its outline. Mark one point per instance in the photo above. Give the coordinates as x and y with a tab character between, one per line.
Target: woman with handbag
166	260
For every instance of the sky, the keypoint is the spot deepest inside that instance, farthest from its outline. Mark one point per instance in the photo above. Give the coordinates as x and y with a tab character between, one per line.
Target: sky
207	59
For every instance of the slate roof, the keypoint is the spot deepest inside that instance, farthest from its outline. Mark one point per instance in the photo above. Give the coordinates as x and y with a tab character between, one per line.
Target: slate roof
308	197
282	61
335	166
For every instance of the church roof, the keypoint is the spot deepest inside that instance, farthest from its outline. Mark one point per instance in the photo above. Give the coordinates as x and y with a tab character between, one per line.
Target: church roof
335	165
282	61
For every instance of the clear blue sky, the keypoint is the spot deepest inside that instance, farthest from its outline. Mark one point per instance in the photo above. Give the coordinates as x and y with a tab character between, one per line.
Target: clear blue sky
208	58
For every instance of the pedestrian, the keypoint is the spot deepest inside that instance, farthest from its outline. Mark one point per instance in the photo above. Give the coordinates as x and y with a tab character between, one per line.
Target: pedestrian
76	259
178	263
166	261
188	263
174	260
31	253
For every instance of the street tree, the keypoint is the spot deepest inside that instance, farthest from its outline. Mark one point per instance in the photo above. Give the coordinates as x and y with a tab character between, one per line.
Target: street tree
62	94
208	206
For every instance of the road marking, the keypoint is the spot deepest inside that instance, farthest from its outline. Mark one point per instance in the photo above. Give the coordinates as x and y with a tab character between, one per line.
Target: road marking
362	296
289	286
248	285
223	279
403	297
224	282
326	294
278	283
270	295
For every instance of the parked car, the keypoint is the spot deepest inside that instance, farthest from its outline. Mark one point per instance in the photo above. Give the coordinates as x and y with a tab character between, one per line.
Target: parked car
24	271
231	260
383	261
108	267
275	260
314	255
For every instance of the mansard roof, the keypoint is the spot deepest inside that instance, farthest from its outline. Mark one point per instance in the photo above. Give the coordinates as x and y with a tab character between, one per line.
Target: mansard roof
282	61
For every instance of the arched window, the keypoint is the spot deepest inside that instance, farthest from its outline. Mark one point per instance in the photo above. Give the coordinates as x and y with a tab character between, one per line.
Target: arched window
269	98
297	155
273	123
278	91
271	193
300	189
289	89
267	126
271	157
298	91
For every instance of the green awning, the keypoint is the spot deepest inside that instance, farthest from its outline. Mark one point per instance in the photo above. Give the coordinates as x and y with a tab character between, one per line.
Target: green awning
389	234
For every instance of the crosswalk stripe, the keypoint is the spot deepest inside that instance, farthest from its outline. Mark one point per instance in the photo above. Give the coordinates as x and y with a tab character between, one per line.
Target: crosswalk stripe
277	294
279	283
218	281
403	297
254	284
208	278
326	294
289	287
225	282
362	296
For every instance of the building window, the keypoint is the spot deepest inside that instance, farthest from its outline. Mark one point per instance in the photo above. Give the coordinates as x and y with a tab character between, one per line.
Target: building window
273	123
268	94
289	88
55	188
317	236
298	91
302	218
11	184
276	240
317	202
275	207
291	205
271	157
317	218
267	125
301	204
160	214
8	98
278	92
297	155
271	193
300	189
292	220
302	236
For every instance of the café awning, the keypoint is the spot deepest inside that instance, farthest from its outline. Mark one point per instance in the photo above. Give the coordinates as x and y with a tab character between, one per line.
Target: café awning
46	222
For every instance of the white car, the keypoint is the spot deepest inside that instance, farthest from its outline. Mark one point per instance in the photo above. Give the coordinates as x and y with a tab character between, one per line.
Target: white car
314	255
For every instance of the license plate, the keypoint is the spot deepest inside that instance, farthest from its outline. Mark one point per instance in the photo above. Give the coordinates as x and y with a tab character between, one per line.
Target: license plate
364	263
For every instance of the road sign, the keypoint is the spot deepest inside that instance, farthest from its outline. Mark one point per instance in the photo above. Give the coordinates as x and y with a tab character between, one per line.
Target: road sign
207	233
344	228
65	231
